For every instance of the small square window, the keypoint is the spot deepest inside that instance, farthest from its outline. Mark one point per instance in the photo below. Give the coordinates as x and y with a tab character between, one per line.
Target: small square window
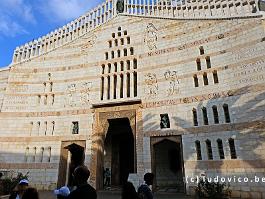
75	128
164	121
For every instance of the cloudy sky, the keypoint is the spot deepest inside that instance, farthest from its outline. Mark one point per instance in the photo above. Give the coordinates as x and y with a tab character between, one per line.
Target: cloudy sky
22	21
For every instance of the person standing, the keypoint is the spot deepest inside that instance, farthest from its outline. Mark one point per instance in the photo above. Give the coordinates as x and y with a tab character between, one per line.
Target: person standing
83	190
107	175
144	191
128	191
19	189
30	193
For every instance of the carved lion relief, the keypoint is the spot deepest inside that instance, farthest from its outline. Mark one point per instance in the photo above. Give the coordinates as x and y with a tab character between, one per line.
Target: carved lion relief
151	85
151	36
172	79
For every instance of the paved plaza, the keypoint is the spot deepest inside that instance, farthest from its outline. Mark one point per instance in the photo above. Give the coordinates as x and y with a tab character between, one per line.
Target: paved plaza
116	195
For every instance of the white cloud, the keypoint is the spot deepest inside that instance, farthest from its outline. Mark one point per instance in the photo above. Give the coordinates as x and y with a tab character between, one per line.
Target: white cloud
66	10
13	14
10	28
18	8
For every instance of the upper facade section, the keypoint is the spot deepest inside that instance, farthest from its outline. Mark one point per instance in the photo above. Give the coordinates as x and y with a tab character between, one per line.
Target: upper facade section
173	9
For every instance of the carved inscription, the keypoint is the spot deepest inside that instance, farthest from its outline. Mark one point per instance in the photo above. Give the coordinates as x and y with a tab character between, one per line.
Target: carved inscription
21	100
151	85
172	79
16	76
14	88
253	72
202	41
246	53
187	100
151	36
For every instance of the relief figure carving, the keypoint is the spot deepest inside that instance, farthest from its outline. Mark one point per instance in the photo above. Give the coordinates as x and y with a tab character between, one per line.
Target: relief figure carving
85	92
151	88
172	78
71	92
151	36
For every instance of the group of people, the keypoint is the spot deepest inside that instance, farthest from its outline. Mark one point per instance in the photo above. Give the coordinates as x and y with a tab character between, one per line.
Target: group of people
144	191
83	190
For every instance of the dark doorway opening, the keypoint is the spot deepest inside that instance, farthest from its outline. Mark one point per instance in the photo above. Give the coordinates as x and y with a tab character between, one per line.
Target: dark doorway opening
72	155
119	150
77	158
168	165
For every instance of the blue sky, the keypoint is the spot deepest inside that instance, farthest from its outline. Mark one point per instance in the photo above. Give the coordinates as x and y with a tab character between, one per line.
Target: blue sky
22	21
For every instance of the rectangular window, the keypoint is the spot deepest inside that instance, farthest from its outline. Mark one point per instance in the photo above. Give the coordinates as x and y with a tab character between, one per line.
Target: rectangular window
164	121
75	128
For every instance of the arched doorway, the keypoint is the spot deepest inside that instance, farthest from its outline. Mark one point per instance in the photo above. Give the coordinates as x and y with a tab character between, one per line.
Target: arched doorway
119	150
168	164
72	156
76	158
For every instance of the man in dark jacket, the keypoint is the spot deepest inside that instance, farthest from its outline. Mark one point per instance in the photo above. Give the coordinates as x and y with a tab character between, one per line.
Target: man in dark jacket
144	190
83	190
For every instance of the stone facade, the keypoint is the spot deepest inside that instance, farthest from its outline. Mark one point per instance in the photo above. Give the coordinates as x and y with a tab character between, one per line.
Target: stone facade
205	74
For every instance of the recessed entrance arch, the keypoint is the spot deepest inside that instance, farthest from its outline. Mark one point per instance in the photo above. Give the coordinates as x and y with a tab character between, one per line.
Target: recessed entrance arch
72	156
114	126
167	163
119	150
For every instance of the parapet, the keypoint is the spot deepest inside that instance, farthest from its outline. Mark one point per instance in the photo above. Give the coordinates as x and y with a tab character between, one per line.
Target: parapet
173	9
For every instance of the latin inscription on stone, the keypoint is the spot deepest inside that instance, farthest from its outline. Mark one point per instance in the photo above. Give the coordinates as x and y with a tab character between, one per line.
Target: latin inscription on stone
18	88
16	100
253	72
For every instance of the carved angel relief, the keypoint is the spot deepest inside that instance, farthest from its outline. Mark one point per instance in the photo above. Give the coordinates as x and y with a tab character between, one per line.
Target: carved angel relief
172	78
86	87
151	85
151	36
71	92
89	42
78	94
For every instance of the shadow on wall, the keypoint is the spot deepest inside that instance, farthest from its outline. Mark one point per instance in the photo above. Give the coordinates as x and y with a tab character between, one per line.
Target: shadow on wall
249	139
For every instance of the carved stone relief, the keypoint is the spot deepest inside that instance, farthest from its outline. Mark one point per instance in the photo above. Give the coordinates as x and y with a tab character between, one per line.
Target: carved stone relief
151	37
172	79
86	87
151	85
89	42
14	88
78	94
71	92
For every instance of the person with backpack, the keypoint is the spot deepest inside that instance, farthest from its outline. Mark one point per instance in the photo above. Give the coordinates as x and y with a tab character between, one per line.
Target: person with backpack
144	191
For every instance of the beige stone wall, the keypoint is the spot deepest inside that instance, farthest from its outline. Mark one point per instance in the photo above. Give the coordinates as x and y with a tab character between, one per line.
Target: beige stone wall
166	53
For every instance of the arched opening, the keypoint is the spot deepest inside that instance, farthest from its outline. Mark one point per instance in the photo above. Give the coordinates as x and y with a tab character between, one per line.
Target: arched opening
72	155
168	165
119	151
76	158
